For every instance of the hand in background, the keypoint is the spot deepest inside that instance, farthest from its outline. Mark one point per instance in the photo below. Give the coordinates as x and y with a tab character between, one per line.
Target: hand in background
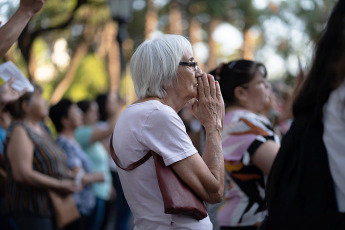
92	177
67	186
8	94
32	5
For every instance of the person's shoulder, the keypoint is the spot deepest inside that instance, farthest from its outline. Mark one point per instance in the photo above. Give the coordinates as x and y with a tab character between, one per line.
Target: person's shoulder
239	114
83	133
18	132
164	113
63	142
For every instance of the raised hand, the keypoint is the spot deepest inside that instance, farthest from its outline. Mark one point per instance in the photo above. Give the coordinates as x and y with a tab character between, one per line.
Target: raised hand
8	94
32	5
67	186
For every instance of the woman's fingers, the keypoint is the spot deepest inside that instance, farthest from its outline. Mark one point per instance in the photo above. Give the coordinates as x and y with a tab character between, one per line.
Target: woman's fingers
206	86
212	85
218	91
201	93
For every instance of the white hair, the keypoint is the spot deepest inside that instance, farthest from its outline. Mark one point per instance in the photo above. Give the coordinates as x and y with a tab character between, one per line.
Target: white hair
155	62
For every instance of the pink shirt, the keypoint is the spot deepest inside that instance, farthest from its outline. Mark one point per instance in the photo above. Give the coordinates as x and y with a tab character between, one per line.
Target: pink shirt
152	126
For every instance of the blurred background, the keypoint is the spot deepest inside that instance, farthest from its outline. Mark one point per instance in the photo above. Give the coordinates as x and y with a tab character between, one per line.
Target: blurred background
79	48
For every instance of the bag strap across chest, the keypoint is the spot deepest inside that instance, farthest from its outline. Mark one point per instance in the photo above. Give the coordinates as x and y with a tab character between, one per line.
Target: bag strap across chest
134	164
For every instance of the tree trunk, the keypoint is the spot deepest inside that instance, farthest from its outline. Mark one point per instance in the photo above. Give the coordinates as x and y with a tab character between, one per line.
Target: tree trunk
108	49
114	66
248	45
79	54
212	58
151	19
175	18
195	34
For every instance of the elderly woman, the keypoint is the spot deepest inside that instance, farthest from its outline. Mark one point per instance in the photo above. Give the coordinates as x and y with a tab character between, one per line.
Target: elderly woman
35	165
249	143
165	78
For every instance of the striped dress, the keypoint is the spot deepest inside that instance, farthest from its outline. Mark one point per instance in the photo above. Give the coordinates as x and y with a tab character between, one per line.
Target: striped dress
48	159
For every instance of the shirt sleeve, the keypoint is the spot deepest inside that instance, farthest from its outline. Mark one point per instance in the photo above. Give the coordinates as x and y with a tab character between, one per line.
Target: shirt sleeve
72	158
243	137
164	133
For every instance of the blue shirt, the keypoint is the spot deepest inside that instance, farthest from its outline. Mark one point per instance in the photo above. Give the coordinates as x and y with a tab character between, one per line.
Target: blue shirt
2	139
76	157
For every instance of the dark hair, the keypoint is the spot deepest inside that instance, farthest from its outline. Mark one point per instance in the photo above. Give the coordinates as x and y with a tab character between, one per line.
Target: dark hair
15	108
59	111
84	105
236	73
323	77
101	100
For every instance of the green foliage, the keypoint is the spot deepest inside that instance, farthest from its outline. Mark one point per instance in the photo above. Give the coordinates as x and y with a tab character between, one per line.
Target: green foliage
54	13
91	78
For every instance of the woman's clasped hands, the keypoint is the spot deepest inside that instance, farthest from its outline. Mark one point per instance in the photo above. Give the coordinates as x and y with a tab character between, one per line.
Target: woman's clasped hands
209	106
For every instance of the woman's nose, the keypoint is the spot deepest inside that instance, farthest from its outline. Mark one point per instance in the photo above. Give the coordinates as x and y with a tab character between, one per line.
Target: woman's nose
198	73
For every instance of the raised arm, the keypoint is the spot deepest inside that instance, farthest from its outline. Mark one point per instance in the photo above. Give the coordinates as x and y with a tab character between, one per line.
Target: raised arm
100	134
205	175
10	32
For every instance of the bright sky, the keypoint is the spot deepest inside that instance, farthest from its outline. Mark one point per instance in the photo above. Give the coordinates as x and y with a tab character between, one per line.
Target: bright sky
5	6
229	37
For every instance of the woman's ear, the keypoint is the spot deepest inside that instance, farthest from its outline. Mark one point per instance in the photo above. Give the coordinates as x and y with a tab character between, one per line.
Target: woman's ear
64	122
25	107
240	94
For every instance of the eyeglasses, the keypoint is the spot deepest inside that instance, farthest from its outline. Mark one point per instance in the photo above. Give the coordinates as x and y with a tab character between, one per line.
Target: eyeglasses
190	64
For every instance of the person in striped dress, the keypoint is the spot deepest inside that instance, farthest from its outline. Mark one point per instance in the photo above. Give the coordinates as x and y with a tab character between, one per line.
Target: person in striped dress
35	164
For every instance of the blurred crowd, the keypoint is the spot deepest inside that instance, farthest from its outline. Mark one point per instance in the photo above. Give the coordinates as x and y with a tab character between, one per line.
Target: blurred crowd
268	129
75	160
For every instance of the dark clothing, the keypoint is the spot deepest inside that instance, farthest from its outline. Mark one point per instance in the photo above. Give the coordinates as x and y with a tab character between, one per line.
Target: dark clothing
48	159
239	228
27	221
300	192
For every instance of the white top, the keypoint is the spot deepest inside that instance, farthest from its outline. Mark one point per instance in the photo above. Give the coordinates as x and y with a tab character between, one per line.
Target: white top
151	126
334	139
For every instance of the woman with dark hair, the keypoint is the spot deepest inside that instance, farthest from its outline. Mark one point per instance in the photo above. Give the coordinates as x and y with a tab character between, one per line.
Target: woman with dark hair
67	117
35	164
306	188
90	137
249	143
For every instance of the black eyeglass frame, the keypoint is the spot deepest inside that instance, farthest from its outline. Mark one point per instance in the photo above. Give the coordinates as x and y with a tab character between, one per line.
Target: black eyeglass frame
193	64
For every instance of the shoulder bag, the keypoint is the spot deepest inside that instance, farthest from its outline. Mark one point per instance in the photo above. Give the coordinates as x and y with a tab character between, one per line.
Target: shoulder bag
178	198
65	209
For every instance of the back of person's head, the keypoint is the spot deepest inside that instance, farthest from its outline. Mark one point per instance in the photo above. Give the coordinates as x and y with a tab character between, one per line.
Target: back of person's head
155	62
84	105
327	71
236	73
101	100
16	108
59	111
